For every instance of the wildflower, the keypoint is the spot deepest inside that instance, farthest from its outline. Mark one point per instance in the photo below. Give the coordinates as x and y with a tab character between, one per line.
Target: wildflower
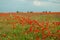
58	30
36	30
56	23
8	18
30	22
44	36
39	24
31	28
4	35
8	39
47	24
14	35
37	38
13	25
47	30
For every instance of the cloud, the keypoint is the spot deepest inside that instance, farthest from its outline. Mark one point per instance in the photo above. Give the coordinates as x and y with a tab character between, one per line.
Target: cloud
55	1
36	3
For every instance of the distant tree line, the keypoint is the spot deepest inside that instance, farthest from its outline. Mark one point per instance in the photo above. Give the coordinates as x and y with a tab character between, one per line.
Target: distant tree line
32	11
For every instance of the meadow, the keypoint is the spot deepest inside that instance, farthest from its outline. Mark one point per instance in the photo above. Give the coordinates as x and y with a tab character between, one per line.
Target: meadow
30	26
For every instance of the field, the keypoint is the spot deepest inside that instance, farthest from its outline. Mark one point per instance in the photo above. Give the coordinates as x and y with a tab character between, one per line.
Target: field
30	26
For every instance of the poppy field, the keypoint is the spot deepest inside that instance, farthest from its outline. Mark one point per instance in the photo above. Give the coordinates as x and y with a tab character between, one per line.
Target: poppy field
30	26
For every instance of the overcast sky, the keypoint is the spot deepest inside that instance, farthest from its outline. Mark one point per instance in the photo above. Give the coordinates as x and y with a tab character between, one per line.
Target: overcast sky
29	5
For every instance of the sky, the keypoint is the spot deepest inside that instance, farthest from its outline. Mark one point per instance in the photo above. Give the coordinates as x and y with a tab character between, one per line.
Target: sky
29	5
